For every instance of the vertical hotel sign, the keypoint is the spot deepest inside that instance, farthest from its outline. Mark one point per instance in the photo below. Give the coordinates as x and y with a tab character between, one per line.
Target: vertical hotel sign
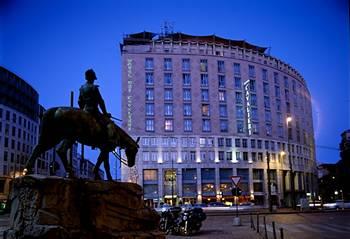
248	107
129	95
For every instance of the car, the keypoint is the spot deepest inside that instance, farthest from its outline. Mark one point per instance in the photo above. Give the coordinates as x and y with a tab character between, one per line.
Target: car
338	204
216	204
200	205
163	207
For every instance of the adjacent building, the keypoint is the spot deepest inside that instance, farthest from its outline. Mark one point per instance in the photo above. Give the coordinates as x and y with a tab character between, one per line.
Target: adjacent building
208	108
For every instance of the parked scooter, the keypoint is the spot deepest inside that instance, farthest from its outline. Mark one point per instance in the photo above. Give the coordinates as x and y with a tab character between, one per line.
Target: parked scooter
182	221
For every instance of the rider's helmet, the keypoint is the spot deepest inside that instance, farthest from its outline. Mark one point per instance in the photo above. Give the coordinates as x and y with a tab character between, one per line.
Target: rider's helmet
90	75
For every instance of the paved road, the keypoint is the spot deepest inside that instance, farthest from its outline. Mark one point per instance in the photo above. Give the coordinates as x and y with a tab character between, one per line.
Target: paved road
309	225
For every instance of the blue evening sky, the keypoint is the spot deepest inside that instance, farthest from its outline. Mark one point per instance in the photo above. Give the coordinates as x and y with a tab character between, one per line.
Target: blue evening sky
50	44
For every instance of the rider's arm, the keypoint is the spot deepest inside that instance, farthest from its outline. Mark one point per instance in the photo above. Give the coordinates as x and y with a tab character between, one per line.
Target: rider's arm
80	101
101	102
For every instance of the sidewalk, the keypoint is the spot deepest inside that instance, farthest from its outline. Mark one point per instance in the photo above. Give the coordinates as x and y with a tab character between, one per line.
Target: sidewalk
222	228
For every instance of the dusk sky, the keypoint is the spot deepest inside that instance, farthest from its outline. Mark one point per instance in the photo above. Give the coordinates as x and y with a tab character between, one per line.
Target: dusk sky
50	44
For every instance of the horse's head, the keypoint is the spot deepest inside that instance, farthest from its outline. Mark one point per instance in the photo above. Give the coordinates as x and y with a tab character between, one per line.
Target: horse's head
131	151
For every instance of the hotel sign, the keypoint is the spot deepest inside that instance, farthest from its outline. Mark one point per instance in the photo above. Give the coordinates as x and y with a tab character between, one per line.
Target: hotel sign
129	97
248	107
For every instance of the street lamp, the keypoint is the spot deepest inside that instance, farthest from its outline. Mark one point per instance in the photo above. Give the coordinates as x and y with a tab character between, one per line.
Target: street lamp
292	189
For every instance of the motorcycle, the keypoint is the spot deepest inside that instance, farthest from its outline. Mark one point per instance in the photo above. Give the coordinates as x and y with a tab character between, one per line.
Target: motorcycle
186	221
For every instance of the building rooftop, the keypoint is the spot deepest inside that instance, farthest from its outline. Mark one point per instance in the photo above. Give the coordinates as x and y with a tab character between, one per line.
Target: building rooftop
147	38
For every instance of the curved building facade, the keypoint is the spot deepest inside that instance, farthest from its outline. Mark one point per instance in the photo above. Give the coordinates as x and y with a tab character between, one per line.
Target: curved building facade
208	108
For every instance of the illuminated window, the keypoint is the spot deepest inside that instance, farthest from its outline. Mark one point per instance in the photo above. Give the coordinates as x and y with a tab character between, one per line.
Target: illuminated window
222	96
168	125
150	175
205	110
187	109
168	109
168	94
187	125
204	65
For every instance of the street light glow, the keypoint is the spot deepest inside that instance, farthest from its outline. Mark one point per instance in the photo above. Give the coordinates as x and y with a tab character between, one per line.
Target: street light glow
289	119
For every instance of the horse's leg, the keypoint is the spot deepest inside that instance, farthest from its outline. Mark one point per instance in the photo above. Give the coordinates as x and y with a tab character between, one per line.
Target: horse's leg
62	152
42	146
107	168
101	158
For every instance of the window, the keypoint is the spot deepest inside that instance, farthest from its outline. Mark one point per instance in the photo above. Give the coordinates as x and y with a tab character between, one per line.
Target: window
205	110
264	75
149	94
239	112
206	125
267	144
186	65
149	124
229	156
14	118
222	83
186	94
268	128
149	63
204	80
252	85
228	142
238	83
266	88
277	92
239	98
168	109
205	95
149	78
204	65
8	116
149	110
168	94
221	66
244	143
222	96
245	156
221	155
187	109
253	100
286	92
236	68
168	79
240	126
188	125
255	127
221	142
266	102
186	79
223	110
275	78
168	125
286	83
267	116
252	143
150	174
254	112
167	64
223	126
259	144
251	71
237	143
278	105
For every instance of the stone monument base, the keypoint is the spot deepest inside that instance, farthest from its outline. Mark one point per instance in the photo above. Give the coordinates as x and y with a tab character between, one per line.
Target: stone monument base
60	208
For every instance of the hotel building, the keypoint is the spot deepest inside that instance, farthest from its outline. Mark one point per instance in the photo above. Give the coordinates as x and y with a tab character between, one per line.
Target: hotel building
208	108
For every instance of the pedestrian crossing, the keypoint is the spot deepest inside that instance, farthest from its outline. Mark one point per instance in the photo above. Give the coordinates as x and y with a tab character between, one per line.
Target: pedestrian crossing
311	228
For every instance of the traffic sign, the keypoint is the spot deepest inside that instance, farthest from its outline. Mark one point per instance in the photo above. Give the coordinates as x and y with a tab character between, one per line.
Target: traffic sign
235	180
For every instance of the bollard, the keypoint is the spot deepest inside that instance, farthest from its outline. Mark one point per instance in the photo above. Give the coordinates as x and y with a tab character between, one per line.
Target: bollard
266	237
252	221
274	230
281	231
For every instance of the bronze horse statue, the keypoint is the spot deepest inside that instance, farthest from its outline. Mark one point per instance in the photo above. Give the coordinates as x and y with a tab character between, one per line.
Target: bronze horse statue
67	125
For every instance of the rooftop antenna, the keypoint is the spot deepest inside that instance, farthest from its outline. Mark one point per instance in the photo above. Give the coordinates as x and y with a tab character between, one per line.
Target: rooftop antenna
167	28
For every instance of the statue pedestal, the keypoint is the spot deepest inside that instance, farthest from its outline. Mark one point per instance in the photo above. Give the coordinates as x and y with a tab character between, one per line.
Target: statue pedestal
59	208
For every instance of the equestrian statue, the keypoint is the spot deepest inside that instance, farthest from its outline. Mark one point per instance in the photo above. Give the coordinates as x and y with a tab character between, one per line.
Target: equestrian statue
86	125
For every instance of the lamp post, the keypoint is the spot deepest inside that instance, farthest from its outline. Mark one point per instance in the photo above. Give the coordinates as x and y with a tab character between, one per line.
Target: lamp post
292	189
